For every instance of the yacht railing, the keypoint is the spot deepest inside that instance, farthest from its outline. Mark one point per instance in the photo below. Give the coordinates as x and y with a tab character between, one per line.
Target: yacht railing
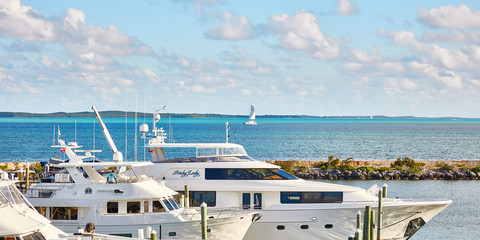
228	212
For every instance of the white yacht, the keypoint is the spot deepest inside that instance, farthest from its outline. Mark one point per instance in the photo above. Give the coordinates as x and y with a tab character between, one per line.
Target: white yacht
121	200
223	175
20	221
251	118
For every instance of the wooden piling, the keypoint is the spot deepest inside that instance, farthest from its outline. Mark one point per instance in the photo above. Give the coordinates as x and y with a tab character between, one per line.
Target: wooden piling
203	207
187	197
379	215
366	223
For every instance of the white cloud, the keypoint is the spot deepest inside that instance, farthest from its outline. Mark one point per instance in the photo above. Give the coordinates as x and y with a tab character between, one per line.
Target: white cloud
231	28
346	7
301	33
19	21
460	17
46	61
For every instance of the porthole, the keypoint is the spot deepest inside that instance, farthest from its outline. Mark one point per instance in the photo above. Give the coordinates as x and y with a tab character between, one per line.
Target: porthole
209	230
304	227
328	225
172	234
280	227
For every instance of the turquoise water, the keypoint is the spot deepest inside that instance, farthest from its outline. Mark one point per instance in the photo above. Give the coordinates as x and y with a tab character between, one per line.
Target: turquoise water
29	139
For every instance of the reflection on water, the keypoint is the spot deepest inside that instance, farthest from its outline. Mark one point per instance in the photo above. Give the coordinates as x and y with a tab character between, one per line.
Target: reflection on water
460	220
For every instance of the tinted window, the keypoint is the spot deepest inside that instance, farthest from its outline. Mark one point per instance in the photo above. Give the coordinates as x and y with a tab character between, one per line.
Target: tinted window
245	174
197	197
133	207
169	206
157	206
112	207
311	197
63	213
145	206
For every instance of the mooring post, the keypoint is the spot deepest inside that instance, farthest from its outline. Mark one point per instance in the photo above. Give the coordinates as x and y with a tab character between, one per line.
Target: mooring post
366	223
379	215
187	197
203	207
182	200
358	234
358	231
384	190
372	224
153	235
351	237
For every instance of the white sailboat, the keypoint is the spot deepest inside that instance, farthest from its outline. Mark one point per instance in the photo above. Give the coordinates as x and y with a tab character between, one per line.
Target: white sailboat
291	208
251	118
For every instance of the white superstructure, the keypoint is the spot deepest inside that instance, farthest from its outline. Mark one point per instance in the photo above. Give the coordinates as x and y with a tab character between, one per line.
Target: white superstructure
291	208
251	118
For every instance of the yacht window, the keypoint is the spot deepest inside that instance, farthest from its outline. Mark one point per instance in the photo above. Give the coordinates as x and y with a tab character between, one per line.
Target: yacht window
34	236
281	227
63	213
311	197
304	227
145	206
167	203
173	203
112	207
245	174
42	210
157	206
198	197
133	207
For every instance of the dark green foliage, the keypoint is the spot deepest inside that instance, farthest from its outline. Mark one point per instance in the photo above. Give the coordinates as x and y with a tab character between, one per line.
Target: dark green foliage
347	167
476	169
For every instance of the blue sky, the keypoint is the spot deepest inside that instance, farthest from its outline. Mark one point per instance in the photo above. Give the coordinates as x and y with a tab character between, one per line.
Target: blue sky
330	57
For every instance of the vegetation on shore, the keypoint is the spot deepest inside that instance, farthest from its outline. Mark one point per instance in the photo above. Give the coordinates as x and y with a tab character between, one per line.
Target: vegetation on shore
401	168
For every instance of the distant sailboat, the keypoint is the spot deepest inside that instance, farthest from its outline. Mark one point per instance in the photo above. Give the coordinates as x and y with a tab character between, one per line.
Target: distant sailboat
251	119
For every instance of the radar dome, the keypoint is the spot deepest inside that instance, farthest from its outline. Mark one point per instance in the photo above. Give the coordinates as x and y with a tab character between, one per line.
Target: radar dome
144	128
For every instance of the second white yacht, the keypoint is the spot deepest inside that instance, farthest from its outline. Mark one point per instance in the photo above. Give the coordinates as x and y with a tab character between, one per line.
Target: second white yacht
223	175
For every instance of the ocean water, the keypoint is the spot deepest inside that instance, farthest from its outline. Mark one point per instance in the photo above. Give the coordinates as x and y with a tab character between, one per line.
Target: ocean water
29	139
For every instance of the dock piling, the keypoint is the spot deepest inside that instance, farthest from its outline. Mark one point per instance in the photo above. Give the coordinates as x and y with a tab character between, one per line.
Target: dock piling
187	197
203	207
379	214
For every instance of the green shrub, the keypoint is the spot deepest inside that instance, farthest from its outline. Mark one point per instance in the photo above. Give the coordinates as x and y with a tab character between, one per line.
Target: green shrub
414	169
347	167
476	169
302	168
384	169
3	167
368	169
447	167
287	166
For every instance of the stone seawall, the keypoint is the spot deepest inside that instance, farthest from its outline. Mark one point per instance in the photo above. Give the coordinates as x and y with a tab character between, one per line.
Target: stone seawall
383	170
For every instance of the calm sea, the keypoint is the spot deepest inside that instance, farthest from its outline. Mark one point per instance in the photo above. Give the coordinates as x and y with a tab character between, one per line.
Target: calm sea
29	139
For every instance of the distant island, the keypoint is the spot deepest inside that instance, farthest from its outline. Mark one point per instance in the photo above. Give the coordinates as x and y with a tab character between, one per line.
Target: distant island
121	114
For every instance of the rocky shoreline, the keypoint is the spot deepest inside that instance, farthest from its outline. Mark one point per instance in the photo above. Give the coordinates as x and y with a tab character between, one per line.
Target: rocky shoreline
337	174
384	170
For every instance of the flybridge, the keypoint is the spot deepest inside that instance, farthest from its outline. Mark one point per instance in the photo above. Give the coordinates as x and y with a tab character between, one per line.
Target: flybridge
202	150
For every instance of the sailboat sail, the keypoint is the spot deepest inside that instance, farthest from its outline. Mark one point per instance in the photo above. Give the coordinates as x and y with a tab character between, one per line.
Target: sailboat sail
252	113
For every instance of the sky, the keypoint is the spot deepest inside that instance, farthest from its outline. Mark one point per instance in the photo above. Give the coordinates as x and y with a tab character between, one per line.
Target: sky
323	58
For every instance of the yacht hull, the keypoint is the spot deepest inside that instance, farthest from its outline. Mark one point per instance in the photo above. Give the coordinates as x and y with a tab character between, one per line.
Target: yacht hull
224	228
399	222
